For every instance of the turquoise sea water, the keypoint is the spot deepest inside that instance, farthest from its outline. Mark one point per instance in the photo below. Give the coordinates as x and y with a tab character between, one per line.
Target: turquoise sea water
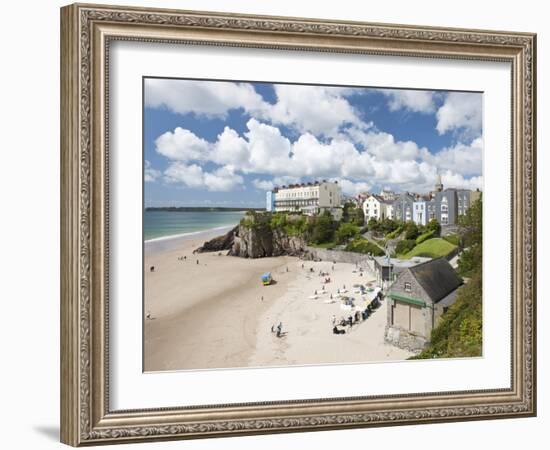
161	224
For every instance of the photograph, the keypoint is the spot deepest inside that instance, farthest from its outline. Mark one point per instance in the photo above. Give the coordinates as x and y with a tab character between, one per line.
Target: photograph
291	224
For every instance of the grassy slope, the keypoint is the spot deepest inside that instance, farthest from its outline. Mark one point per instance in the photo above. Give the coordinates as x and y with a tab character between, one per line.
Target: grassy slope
433	248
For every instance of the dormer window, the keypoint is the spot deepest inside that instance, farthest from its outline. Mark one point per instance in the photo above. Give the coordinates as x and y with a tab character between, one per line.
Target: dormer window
408	287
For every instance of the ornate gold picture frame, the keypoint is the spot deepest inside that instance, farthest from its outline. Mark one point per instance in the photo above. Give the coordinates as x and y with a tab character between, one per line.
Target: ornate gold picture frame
87	31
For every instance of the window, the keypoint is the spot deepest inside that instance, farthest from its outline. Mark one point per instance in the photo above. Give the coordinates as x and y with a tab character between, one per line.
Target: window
408	287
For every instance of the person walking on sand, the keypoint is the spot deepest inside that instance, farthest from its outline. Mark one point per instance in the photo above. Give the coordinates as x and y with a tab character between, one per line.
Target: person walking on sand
262	298
197	262
279	329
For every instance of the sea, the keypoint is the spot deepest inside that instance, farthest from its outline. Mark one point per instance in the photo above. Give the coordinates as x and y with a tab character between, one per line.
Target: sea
165	225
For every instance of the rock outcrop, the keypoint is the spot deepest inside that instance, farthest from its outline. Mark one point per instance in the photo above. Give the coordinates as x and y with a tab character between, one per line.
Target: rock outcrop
262	241
219	243
256	241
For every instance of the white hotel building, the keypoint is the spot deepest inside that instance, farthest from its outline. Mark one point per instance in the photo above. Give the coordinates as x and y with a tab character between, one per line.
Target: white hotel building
308	198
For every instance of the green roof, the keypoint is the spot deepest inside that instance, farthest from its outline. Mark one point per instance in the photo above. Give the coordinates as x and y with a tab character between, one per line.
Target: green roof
405	299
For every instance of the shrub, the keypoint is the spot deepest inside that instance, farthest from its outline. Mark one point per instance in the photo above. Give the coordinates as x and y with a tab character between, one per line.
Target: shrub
453	239
425	237
395	233
362	245
411	230
323	229
345	232
405	246
433	225
373	224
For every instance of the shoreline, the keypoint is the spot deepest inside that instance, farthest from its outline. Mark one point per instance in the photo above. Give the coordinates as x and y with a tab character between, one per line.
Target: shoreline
211	311
203	310
170	242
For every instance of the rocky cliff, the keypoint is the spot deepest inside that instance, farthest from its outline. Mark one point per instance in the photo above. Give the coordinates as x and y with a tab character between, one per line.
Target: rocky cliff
220	243
256	241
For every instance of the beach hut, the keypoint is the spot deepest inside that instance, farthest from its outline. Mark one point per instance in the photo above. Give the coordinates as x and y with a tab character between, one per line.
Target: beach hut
266	278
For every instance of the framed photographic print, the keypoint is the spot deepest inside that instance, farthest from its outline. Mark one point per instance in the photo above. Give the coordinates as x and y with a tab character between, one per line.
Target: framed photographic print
278	224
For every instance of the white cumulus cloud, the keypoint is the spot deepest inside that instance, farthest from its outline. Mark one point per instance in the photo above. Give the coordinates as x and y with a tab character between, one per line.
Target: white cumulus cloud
461	111
201	97
220	180
150	174
415	101
182	145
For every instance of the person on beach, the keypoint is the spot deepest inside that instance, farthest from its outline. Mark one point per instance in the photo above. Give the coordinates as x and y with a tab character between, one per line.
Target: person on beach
197	262
262	298
279	329
333	320
152	269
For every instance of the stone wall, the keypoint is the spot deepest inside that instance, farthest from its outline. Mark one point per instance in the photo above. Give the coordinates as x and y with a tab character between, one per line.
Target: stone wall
404	339
340	256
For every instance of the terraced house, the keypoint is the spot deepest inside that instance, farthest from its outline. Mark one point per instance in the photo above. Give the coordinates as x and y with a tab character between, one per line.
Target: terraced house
309	198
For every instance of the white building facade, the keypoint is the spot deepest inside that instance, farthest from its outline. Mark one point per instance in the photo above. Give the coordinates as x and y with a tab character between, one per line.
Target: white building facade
309	198
375	207
420	212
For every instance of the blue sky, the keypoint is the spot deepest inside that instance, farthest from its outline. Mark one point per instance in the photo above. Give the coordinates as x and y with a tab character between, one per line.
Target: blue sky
226	143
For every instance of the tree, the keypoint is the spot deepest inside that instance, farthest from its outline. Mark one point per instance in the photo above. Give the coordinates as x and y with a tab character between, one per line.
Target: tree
323	229
347	211
433	225
358	217
372	224
411	230
470	229
345	232
388	225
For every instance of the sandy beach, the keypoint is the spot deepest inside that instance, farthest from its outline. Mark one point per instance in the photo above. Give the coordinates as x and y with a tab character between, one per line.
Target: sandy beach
217	314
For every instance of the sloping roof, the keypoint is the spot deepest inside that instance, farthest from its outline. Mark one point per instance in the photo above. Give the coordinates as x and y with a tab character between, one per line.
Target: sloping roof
437	278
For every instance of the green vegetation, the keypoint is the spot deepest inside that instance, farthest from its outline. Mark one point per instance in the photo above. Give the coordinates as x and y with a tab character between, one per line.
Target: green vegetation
384	226
470	230
345	232
293	224
353	215
362	245
395	232
453	239
411	230
323	229
432	248
424	237
433	225
460	331
404	246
